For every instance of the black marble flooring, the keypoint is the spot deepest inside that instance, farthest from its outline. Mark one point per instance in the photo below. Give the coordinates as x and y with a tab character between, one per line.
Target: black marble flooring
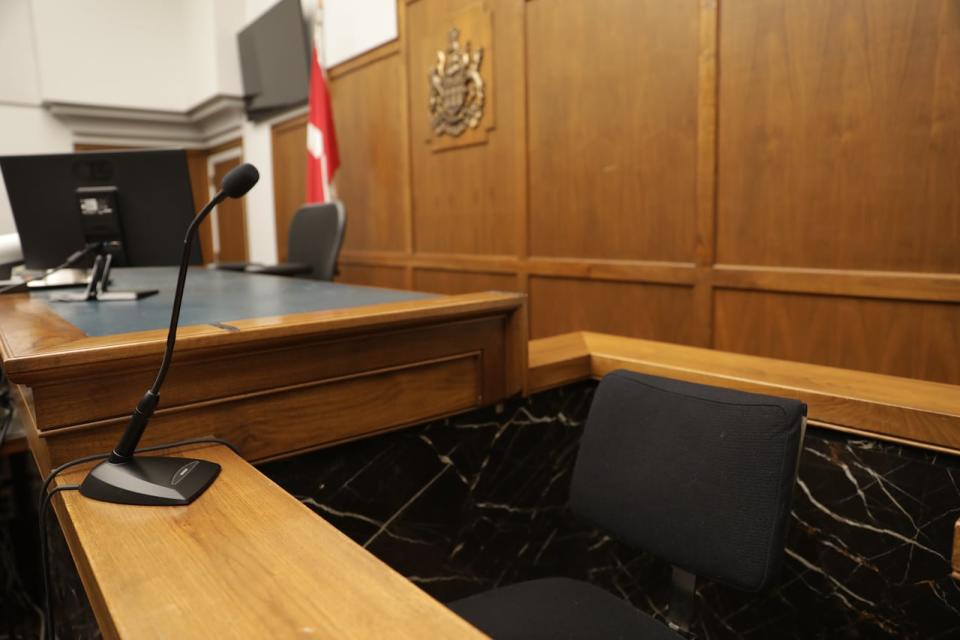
478	501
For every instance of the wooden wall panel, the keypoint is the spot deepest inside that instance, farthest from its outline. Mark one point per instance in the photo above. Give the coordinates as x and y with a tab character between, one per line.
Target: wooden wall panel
469	199
654	166
200	188
289	148
840	134
612	108
455	282
656	312
370	133
913	339
388	277
231	219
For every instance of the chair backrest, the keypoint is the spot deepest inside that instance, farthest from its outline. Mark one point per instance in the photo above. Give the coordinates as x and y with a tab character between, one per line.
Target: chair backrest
316	235
698	475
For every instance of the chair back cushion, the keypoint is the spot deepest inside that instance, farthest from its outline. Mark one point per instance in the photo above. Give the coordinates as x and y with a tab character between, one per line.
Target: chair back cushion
316	235
700	476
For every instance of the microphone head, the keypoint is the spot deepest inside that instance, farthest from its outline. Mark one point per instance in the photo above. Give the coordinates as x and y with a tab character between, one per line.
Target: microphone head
240	180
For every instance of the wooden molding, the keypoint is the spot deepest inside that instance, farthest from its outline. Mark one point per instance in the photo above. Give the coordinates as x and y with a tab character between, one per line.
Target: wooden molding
706	214
904	410
558	360
683	273
887	285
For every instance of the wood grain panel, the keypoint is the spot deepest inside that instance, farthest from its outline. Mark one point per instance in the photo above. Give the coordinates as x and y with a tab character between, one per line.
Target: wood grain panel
761	145
290	420
372	180
840	134
912	339
901	410
558	360
231	219
468	199
248	561
657	312
200	188
613	128
64	403
373	276
289	145
454	282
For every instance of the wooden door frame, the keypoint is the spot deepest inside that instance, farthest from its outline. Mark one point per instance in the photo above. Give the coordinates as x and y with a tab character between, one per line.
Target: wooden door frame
213	159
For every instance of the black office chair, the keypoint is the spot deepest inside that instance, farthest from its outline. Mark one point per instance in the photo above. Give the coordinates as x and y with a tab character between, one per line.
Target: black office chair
313	245
698	475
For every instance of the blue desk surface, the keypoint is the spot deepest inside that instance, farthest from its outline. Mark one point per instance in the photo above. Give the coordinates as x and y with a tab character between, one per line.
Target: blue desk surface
213	296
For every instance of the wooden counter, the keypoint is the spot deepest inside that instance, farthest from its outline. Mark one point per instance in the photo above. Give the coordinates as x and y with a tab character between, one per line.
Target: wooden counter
273	385
904	410
246	560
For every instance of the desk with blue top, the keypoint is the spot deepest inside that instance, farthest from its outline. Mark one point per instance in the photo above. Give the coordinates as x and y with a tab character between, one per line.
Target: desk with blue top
276	365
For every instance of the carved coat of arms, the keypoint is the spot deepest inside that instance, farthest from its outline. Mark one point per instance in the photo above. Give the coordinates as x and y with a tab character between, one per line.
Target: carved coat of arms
456	88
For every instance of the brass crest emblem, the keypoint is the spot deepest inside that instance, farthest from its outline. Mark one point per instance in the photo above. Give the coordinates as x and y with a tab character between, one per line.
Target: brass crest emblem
456	88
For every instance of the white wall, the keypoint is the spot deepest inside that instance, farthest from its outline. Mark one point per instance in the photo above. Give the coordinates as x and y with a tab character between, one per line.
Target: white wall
27	129
25	126
261	223
166	55
117	53
351	27
19	82
230	18
258	150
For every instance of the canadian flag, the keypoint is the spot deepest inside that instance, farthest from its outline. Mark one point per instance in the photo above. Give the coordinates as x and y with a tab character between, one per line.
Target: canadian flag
323	160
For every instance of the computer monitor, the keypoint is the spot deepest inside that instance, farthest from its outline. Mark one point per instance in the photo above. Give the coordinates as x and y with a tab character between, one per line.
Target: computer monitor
141	198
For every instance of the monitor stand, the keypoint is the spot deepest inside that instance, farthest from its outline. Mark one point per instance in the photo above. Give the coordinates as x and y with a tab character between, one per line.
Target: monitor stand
97	288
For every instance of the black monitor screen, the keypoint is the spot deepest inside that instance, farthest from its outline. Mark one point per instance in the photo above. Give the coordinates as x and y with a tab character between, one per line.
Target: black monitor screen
146	192
274	57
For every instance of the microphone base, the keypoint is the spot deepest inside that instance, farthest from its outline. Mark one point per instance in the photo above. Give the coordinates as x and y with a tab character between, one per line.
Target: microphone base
150	481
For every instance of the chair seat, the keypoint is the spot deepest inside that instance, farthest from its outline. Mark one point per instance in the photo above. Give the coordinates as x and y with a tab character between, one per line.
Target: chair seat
555	608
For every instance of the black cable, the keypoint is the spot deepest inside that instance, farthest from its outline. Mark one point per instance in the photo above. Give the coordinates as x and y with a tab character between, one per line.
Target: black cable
69	262
47	626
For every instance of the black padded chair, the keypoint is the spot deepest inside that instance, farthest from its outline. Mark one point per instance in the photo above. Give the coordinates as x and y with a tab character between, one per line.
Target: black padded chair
698	475
313	245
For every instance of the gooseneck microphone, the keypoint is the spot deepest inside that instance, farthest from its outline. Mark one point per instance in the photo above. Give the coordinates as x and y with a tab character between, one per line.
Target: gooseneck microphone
126	479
